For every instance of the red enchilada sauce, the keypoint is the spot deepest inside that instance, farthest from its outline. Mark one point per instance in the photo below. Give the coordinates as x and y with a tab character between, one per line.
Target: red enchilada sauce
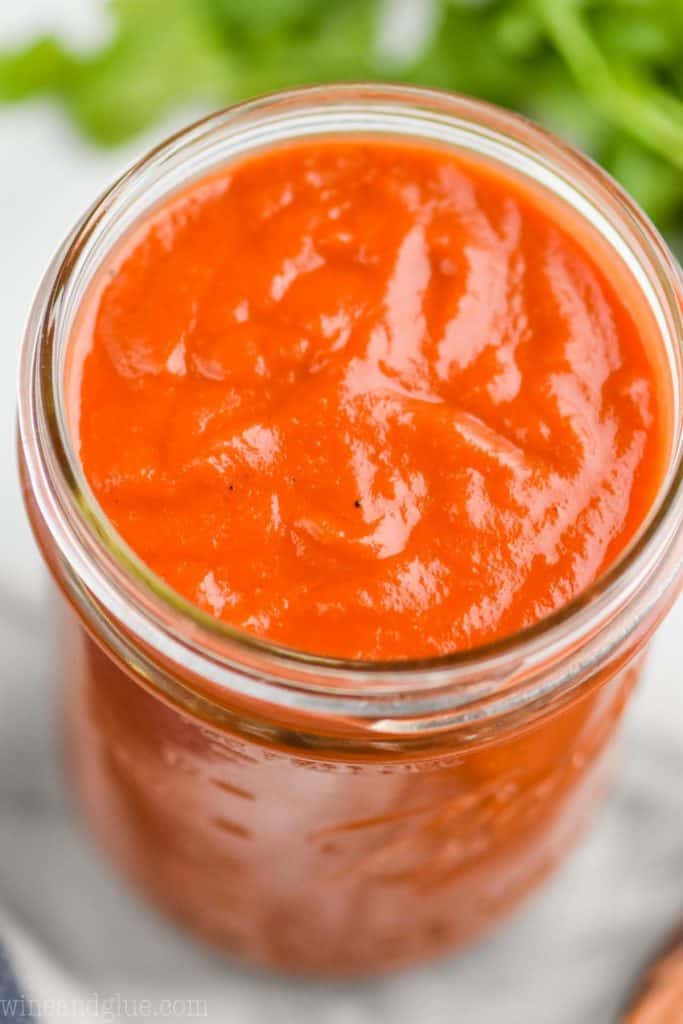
372	400
367	400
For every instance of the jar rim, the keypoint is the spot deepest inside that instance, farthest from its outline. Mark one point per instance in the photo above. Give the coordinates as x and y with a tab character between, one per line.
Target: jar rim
113	582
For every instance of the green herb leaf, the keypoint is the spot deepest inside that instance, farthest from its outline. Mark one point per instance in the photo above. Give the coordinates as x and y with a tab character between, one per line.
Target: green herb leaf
605	74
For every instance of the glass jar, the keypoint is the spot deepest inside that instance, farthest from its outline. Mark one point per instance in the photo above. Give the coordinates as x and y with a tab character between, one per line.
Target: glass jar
309	813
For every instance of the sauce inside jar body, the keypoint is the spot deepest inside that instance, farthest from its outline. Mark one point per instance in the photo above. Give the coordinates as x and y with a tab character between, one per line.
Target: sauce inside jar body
314	858
369	400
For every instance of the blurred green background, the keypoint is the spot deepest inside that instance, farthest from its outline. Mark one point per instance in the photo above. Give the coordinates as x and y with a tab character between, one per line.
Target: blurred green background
605	74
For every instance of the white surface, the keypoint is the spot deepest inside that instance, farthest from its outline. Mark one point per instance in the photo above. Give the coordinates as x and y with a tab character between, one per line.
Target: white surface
567	958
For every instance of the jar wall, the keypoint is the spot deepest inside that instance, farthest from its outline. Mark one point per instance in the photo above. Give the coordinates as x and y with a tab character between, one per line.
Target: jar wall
306	857
328	864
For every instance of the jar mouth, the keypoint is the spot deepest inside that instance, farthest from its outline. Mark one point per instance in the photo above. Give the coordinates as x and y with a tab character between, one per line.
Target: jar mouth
103	571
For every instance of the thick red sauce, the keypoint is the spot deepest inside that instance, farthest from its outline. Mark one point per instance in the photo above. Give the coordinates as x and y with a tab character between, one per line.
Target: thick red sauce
367	399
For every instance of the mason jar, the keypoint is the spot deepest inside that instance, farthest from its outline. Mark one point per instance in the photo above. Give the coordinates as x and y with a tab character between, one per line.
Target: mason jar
315	814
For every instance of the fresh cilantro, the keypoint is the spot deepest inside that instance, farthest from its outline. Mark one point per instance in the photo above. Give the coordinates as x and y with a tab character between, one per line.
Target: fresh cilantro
605	74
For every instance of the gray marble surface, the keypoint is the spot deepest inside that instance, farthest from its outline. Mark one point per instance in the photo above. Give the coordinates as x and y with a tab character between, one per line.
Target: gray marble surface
567	958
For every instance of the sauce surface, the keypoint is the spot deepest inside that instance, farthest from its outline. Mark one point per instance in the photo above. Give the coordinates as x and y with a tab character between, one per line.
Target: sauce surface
367	399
